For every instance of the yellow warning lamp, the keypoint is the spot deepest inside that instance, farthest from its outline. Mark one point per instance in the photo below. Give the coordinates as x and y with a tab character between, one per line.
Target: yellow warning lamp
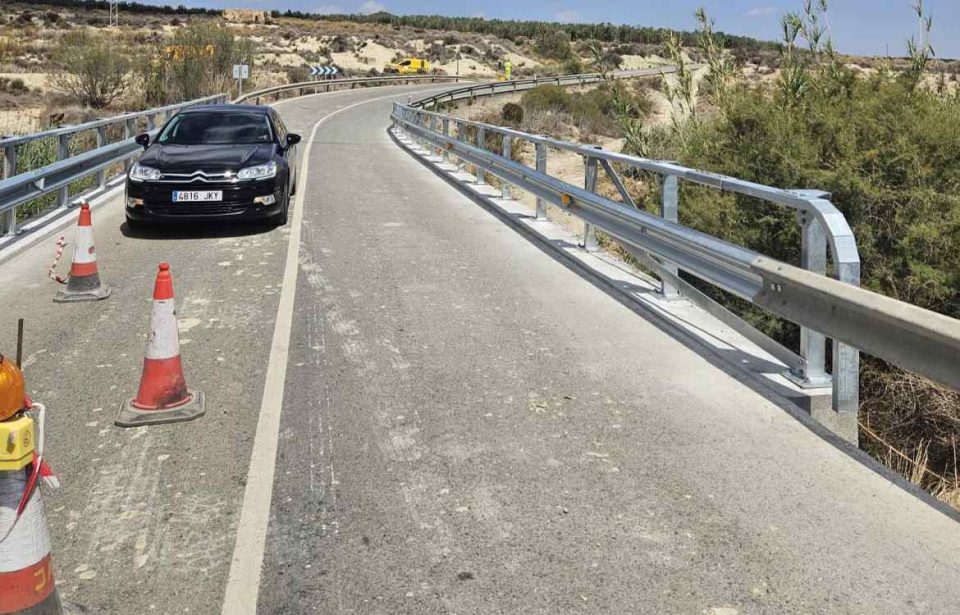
17	439
13	391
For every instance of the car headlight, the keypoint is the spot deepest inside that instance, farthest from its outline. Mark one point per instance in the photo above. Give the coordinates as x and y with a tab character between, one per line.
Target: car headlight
138	173
261	171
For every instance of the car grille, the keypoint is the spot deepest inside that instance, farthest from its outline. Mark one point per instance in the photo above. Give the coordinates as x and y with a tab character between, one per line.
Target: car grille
198	176
197	209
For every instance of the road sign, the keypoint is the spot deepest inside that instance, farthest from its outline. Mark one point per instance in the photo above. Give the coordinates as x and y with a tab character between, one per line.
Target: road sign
324	71
241	71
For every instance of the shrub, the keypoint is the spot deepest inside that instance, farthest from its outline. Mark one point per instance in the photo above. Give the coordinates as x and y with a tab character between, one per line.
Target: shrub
547	98
512	113
198	61
90	69
554	44
572	66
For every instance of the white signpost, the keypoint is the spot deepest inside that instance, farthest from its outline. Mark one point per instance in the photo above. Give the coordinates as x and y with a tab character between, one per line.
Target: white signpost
241	72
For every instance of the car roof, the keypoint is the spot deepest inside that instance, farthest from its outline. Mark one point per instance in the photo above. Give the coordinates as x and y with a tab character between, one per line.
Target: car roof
257	109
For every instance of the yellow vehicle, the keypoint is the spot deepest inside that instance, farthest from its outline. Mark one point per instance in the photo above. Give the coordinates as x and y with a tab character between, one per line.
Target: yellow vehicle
408	66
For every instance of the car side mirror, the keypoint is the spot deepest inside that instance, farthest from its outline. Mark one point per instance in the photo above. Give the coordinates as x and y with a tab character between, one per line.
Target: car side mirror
143	140
292	139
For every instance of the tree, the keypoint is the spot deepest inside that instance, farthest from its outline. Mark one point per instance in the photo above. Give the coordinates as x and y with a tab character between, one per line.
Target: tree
90	69
197	61
554	44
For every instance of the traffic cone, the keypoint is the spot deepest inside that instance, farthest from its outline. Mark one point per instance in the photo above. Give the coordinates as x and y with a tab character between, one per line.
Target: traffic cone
84	281
26	572
163	396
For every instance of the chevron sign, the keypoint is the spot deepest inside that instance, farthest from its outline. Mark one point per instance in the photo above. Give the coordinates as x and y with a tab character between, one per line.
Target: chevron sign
324	71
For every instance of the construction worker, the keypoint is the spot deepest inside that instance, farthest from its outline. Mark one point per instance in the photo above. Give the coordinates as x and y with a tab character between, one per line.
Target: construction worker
508	69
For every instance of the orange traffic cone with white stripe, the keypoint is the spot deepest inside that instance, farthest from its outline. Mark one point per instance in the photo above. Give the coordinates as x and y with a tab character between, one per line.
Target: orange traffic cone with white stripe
26	572
163	396
84	281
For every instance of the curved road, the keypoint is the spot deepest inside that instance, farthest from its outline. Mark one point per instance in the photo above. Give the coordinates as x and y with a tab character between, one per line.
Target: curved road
466	426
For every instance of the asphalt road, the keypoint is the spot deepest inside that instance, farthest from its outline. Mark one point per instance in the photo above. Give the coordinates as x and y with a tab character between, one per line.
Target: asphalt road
466	427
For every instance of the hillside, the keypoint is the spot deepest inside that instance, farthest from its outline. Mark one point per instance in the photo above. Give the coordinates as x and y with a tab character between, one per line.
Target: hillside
281	51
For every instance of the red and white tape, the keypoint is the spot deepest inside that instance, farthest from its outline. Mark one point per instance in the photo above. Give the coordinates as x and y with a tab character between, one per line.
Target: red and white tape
61	244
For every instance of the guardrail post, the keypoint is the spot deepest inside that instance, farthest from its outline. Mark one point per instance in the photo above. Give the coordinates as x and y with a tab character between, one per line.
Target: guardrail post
669	210
8	219
129	127
846	358
482	144
63	152
541	159
446	133
101	141
508	154
151	122
461	137
813	257
435	127
424	122
590	165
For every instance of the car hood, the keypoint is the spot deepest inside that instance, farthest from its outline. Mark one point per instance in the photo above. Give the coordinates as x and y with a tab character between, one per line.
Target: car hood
218	158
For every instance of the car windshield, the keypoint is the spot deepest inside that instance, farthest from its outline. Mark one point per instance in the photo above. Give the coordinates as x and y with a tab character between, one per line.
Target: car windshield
216	128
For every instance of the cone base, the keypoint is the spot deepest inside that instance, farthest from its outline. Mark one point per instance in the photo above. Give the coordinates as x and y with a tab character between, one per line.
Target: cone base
50	605
75	296
131	416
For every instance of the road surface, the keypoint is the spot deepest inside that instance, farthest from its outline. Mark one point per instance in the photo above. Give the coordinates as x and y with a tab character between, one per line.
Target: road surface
465	426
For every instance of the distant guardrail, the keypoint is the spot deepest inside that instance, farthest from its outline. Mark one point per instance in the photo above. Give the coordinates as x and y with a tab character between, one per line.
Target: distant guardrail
112	142
494	88
330	85
855	319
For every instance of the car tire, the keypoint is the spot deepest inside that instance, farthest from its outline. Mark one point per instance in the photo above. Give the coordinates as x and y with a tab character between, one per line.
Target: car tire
135	225
281	218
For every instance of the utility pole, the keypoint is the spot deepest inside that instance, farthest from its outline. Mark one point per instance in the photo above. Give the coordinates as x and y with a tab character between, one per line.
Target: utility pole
114	14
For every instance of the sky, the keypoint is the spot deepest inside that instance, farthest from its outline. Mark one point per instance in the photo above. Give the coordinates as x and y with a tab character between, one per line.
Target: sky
862	27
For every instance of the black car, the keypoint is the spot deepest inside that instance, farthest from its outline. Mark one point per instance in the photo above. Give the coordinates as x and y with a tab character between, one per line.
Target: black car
215	162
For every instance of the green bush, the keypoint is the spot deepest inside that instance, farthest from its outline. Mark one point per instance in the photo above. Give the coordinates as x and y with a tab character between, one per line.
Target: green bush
197	61
887	154
512	113
547	98
554	44
593	112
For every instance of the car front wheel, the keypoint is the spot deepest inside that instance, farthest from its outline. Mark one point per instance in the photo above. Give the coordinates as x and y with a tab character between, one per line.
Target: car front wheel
281	218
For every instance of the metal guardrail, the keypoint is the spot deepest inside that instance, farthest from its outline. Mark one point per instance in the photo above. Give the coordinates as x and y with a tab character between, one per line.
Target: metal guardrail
19	188
902	334
333	84
494	88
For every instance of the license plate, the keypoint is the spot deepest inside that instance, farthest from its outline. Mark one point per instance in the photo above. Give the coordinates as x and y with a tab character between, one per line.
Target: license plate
183	196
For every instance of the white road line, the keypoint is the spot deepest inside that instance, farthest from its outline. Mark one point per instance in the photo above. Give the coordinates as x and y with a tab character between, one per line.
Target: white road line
243	584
